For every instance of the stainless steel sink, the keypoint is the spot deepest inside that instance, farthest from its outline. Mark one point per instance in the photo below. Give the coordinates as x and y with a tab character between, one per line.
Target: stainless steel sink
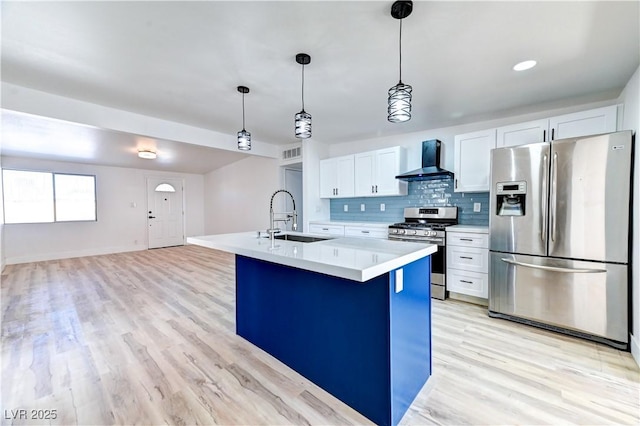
300	238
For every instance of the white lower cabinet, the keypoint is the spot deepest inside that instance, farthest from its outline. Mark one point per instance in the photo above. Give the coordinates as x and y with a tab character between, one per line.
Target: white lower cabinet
469	283
365	232
336	230
468	261
346	229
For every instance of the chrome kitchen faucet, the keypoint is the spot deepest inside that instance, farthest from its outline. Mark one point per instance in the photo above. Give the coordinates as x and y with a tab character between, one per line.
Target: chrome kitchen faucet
288	215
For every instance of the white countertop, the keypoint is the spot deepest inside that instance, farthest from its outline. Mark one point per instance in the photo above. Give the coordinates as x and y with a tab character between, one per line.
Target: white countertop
358	259
472	229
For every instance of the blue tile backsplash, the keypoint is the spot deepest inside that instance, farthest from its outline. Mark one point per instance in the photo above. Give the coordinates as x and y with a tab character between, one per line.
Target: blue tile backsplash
421	193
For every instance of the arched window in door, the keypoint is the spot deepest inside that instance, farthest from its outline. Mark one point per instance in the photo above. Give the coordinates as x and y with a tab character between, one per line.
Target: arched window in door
165	187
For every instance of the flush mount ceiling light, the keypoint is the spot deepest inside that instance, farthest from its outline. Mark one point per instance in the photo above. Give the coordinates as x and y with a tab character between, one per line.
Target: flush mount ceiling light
147	154
524	65
303	118
399	102
244	137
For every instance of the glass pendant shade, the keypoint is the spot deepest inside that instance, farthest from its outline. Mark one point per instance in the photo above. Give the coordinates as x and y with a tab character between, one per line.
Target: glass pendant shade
244	137
303	118
399	101
244	140
399	108
303	125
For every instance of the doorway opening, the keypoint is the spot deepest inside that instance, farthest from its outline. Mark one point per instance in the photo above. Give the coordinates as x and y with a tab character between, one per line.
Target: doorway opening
292	182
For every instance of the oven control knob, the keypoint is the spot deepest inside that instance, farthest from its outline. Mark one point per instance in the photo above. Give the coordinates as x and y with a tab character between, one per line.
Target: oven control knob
412	232
432	233
401	231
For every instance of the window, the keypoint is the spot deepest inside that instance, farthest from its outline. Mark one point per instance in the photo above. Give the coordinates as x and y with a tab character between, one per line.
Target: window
41	197
165	187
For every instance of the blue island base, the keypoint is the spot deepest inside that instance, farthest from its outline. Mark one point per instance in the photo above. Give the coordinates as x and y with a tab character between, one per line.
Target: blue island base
364	343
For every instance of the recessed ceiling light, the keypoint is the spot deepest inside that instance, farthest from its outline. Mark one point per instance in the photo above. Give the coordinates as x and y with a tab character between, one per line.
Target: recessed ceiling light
147	155
524	65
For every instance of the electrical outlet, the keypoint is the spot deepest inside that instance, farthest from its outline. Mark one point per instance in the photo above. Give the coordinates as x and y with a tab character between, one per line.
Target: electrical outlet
399	280
346	208
361	207
477	207
382	207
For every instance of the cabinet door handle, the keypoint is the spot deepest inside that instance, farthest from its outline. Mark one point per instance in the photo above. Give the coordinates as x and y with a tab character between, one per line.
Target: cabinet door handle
365	232
456	185
466	257
466	239
466	282
376	189
553	134
337	191
372	189
325	229
544	136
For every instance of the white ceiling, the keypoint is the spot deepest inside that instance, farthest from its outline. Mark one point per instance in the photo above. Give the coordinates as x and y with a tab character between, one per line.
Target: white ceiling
49	139
182	61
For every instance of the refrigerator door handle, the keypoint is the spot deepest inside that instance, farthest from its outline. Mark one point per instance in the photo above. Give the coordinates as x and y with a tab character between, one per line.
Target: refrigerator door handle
554	195
543	198
555	268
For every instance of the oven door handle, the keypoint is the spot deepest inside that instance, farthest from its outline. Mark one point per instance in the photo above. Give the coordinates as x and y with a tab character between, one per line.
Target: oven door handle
555	268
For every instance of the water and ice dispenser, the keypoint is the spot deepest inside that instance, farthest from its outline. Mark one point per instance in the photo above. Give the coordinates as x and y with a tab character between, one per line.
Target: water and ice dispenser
510	198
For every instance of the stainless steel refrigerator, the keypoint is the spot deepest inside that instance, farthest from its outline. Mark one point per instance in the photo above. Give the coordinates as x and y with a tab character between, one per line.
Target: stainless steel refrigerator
559	235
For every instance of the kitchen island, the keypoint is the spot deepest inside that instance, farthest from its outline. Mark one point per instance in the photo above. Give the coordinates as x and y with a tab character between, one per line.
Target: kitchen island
350	314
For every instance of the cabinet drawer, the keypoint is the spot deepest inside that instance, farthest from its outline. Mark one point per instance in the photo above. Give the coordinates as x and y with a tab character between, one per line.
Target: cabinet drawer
357	231
326	229
468	258
469	283
468	240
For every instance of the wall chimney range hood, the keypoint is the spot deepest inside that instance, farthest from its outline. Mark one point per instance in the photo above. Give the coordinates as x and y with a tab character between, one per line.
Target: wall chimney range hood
430	164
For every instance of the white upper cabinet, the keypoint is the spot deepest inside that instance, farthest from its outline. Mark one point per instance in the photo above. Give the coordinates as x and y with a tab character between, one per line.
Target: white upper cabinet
473	150
522	133
365	163
337	177
472	159
583	123
376	171
591	122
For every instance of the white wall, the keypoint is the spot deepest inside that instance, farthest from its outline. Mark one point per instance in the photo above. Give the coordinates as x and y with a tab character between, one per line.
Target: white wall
237	196
631	121
2	255
314	207
120	227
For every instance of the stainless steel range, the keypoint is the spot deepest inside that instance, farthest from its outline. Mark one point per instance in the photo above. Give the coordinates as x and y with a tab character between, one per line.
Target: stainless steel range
427	224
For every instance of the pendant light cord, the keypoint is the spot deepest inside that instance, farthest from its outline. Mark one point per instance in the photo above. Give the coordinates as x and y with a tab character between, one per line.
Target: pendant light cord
243	111
303	87
400	49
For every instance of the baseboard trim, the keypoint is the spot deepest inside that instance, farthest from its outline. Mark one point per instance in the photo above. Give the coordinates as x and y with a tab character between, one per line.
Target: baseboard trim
635	348
42	257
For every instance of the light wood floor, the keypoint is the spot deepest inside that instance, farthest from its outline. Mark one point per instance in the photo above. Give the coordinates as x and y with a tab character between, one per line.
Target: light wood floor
148	338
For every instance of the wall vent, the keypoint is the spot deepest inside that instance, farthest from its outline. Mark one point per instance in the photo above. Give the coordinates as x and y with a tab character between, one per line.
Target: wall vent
292	153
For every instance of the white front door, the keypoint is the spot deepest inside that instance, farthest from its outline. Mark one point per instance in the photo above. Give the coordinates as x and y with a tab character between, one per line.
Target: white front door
165	218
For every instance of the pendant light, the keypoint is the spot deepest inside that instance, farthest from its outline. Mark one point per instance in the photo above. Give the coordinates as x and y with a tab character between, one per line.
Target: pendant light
244	137
399	108
303	118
